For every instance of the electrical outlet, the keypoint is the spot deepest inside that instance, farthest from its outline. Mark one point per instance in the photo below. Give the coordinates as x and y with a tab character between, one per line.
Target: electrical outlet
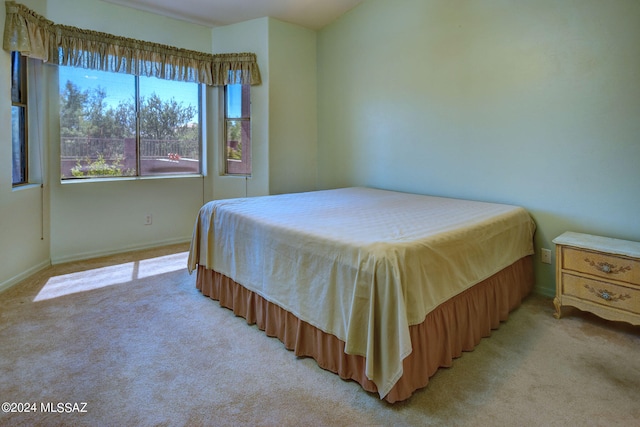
148	219
545	256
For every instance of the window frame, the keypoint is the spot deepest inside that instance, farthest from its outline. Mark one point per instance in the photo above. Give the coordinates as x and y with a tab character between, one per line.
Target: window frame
23	104
139	173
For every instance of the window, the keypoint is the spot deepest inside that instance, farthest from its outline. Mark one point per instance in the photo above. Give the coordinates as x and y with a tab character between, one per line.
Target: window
19	118
237	129
119	125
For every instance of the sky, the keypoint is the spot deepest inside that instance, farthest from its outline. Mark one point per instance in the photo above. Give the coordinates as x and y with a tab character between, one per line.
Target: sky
234	93
121	87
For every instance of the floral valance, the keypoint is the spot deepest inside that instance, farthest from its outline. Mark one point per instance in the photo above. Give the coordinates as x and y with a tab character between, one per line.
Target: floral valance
37	37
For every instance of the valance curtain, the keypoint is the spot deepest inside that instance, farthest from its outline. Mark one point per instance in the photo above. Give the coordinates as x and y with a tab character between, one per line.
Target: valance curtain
35	36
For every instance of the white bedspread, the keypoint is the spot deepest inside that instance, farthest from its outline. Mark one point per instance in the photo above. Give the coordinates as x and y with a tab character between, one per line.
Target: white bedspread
360	263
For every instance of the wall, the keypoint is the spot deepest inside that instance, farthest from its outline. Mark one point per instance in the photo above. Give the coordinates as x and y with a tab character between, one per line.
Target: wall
249	36
97	218
292	108
283	110
24	216
77	220
532	103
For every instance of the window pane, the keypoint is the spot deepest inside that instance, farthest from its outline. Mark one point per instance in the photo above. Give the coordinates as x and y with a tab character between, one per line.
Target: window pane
19	156
238	130
17	65
238	101
169	126
97	123
121	125
233	100
238	147
19	160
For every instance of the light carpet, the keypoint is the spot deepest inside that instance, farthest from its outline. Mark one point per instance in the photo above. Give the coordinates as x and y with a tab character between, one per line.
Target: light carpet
130	336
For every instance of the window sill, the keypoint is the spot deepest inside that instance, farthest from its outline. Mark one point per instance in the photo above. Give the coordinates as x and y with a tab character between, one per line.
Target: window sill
25	186
127	179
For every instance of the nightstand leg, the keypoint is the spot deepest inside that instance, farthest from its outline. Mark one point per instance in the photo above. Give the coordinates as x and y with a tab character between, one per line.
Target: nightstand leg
557	304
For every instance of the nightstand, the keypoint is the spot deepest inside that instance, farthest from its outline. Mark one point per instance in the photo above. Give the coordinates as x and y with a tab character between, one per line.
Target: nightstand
598	274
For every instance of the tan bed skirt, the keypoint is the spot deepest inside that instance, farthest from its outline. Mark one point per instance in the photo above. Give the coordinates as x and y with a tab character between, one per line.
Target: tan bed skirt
454	326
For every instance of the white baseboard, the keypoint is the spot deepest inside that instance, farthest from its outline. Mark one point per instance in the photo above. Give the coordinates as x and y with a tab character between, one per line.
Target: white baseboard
25	274
545	291
84	256
102	253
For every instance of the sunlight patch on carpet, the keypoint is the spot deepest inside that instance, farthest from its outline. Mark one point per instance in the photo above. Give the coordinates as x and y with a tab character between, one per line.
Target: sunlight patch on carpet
160	265
97	278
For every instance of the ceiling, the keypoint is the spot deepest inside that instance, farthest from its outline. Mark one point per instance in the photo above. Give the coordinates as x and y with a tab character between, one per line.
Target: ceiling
313	14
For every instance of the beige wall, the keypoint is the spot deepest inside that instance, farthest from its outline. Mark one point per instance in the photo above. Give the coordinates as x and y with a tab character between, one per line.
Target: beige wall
97	218
73	221
249	36
24	217
82	220
292	108
283	109
535	103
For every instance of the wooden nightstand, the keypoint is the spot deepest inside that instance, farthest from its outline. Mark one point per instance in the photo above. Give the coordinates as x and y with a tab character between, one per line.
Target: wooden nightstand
598	274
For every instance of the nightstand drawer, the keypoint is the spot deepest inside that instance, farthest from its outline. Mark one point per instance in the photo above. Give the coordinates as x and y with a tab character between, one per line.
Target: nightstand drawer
597	264
603	293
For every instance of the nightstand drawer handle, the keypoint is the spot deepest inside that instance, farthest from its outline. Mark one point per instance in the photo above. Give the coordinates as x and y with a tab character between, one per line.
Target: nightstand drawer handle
606	295
607	268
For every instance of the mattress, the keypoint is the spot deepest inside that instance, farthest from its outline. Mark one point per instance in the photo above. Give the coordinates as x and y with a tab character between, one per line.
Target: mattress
361	264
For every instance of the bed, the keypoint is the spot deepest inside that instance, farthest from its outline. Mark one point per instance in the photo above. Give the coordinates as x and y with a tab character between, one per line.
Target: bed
380	287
